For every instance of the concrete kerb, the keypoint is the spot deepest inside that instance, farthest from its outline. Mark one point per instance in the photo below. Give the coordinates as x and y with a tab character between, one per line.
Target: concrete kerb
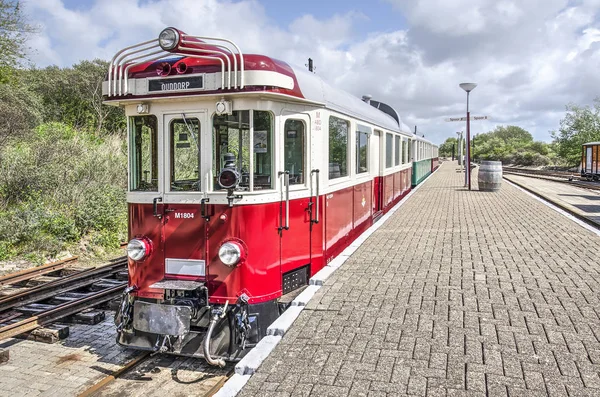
285	321
233	386
252	361
306	295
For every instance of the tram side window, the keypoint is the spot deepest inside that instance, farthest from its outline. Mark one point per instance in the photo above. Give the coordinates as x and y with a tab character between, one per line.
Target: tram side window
410	151
398	148
294	150
185	154
144	154
389	150
263	150
232	135
405	150
362	149
338	147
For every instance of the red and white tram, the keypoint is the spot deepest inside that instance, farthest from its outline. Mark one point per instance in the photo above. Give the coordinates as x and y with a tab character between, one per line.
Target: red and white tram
246	177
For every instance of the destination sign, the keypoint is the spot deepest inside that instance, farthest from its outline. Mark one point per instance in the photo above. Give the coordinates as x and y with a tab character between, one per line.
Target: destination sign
178	84
471	118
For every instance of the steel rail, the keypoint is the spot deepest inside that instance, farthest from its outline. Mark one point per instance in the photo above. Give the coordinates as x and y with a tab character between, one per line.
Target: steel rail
224	378
580	183
65	284
30	273
60	311
539	172
96	388
116	374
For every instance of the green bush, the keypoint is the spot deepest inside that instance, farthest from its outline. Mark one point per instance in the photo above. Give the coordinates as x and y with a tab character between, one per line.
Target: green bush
7	251
59	185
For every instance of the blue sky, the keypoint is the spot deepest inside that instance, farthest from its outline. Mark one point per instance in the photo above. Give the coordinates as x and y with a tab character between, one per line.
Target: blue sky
379	15
530	58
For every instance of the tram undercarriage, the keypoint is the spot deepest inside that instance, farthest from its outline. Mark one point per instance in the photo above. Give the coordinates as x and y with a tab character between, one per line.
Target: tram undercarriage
184	324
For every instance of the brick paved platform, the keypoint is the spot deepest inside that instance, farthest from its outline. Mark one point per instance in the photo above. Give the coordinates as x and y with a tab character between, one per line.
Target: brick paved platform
459	293
62	369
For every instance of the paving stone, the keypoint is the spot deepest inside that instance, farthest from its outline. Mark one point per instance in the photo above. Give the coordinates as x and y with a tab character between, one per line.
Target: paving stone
4	357
454	293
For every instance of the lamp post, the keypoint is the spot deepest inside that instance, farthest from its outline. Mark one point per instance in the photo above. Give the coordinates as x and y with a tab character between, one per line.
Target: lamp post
468	87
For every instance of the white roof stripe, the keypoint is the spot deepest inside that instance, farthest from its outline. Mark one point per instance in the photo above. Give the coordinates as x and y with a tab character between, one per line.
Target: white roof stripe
316	89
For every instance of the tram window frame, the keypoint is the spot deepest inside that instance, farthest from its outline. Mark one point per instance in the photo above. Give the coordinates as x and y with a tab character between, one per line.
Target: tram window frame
341	153
389	150
294	138
266	179
246	166
138	176
362	164
397	148
188	125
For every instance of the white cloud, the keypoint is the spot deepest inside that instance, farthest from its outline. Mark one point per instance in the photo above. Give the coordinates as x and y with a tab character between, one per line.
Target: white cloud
530	58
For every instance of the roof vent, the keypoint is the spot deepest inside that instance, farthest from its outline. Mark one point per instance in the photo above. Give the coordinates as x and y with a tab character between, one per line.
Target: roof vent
387	109
367	98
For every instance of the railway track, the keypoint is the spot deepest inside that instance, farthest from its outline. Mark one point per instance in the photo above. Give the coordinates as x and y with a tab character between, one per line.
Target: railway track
202	380
39	296
556	176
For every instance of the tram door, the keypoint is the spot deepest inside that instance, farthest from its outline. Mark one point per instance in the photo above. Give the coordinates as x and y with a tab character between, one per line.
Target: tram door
376	151
185	179
295	216
588	159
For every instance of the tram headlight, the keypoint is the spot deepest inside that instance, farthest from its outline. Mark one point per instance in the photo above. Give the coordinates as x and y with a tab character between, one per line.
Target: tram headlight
168	39
138	249
231	253
229	177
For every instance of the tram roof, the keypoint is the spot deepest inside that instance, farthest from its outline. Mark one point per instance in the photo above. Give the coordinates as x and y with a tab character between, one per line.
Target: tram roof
314	88
132	67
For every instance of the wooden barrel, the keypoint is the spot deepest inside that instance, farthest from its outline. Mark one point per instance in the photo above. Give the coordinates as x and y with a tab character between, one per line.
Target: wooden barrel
490	176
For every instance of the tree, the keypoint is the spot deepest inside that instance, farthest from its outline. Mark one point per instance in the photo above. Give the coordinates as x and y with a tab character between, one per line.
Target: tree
14	30
19	108
511	145
580	125
446	149
74	96
89	76
512	135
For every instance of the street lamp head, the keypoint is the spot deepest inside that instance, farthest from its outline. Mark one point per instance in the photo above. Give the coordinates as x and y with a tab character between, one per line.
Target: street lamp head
468	86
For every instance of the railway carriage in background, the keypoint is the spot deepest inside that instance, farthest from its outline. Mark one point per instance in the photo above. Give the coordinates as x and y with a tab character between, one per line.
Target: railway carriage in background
246	177
590	161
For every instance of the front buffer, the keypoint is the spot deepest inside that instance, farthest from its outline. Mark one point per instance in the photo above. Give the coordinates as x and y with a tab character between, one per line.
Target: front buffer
184	323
